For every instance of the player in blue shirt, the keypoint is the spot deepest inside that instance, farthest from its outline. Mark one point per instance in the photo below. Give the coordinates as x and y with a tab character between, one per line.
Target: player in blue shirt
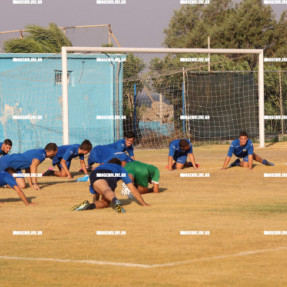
179	150
6	178
64	157
103	153
29	162
104	182
125	144
5	147
243	148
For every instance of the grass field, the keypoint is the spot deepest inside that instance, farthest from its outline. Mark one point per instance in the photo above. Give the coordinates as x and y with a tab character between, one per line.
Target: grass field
235	205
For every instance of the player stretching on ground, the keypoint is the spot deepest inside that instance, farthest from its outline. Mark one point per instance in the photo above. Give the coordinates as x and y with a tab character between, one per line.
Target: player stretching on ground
102	154
64	157
104	182
28	161
178	151
243	148
6	178
5	147
141	175
125	144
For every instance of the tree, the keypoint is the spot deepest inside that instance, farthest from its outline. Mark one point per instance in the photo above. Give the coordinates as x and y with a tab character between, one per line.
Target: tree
249	24
39	40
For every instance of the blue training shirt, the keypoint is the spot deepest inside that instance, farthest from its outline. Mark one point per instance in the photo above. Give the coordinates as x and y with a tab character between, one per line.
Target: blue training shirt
23	160
236	149
176	151
119	155
120	145
103	153
7	178
67	152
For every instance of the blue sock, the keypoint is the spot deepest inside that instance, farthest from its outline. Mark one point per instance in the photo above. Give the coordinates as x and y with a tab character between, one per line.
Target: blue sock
264	161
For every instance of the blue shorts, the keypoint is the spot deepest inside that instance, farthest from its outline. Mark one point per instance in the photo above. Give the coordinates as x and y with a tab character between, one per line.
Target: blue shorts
112	181
180	159
57	160
243	155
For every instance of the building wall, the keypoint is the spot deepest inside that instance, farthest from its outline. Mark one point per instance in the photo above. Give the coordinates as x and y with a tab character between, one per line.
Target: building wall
32	88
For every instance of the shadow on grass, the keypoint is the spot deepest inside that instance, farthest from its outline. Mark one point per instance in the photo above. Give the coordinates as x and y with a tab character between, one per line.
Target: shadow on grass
5	200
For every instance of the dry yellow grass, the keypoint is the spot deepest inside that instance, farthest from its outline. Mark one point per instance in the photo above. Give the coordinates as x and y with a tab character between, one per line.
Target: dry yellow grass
235	205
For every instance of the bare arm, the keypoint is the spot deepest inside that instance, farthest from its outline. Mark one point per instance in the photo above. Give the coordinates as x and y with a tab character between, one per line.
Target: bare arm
33	169
170	159
28	170
192	159
82	162
227	160
22	195
136	194
250	161
155	187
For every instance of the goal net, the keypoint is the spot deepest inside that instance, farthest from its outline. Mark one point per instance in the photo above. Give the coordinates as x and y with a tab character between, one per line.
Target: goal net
103	93
186	93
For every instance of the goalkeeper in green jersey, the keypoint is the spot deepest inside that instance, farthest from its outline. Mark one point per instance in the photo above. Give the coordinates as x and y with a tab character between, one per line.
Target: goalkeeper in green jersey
142	174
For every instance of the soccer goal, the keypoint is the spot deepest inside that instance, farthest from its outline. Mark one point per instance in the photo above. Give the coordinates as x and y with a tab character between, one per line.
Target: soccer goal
206	95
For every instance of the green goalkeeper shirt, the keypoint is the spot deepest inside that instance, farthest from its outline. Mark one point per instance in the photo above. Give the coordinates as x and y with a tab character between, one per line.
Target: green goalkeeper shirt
143	173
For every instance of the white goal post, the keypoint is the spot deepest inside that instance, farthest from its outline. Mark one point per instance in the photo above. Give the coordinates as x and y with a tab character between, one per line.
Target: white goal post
66	50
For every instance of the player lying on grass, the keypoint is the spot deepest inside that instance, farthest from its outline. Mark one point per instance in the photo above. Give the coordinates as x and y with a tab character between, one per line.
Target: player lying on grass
243	148
103	182
28	161
5	147
179	150
6	178
141	175
64	158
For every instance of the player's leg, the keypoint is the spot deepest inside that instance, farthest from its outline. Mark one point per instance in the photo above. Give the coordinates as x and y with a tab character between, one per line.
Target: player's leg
244	162
180	161
21	182
50	171
102	187
235	163
143	190
261	160
106	187
62	172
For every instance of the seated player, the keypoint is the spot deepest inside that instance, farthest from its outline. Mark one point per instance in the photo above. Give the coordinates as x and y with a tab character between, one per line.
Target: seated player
243	148
5	147
64	157
6	178
103	184
125	144
178	151
141	175
28	161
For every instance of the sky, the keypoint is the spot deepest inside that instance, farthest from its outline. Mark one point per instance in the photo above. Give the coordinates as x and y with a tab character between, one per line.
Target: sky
138	23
